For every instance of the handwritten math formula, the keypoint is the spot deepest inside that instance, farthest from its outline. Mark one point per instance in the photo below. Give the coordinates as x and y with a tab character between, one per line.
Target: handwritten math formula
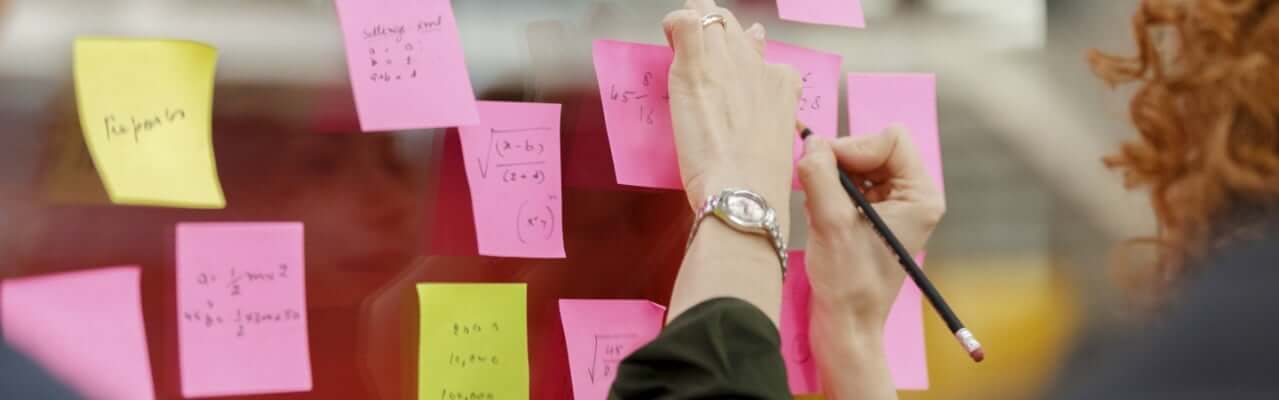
396	51
517	157
609	350
809	101
650	87
229	305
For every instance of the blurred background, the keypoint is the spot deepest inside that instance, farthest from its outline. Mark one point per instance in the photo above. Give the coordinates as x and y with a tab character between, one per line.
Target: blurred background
1023	253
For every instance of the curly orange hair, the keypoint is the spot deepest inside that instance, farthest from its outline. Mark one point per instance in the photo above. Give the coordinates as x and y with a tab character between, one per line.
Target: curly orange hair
1207	109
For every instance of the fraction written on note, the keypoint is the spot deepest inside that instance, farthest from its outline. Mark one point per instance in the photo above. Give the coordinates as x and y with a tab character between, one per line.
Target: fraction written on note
406	64
242	326
819	102
145	108
474	341
637	114
512	161
599	334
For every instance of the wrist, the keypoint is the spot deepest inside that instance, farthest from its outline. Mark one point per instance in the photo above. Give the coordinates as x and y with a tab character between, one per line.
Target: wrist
702	187
839	327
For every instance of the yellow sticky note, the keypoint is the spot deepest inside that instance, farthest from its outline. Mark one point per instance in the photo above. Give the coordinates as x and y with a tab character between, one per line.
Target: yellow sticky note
474	341
145	110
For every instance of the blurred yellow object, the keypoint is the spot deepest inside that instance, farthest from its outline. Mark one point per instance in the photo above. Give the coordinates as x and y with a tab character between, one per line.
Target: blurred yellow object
146	111
1025	316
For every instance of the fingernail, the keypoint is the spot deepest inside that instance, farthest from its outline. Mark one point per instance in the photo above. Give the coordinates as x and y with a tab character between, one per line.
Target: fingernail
758	31
810	144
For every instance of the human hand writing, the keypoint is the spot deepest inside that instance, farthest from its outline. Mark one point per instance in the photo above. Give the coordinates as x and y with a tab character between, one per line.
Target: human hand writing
854	275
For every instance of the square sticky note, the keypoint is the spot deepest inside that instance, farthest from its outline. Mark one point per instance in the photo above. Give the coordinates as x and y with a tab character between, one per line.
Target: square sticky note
877	101
826	12
145	110
242	325
819	103
85	327
512	161
474	341
599	334
406	64
637	112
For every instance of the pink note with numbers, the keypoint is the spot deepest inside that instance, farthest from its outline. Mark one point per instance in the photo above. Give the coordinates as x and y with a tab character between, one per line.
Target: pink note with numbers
599	334
819	104
637	113
826	12
85	327
406	64
242	309
512	160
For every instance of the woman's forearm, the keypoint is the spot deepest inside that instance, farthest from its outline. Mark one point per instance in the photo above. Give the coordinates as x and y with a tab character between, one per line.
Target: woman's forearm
849	355
722	262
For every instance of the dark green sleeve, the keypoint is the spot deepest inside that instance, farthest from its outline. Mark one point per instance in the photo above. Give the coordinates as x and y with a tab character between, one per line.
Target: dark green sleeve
723	348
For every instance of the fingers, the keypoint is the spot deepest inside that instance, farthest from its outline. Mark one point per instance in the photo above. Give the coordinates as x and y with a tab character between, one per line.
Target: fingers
828	205
755	36
718	38
890	154
684	34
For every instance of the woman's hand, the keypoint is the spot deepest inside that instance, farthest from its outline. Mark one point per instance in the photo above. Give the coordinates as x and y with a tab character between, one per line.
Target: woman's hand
854	275
733	114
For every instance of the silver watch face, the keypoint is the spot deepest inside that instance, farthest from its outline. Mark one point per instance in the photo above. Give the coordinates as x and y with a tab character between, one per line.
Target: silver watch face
745	209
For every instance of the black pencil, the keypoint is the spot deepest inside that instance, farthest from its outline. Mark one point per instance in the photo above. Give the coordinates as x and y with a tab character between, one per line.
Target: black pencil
966	338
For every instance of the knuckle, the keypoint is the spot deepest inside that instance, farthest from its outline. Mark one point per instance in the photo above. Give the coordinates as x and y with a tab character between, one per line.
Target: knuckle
932	212
834	223
810	167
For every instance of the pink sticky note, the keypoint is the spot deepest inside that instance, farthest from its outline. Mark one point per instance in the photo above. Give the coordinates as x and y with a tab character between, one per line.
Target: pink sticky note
826	12
406	64
903	333
876	101
512	161
242	309
637	112
599	334
801	369
85	327
819	104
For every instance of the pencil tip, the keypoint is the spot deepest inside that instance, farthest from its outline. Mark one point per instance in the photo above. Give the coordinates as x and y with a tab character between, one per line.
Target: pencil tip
977	354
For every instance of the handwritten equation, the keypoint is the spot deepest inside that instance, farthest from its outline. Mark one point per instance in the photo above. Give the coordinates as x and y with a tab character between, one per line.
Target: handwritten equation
473	341
395	52
809	101
219	309
644	110
609	350
519	155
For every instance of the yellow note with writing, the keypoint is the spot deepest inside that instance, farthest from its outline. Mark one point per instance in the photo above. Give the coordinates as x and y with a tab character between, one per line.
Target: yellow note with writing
474	341
145	110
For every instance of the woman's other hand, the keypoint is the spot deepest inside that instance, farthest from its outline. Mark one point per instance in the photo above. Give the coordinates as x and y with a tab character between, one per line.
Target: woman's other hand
733	114
854	275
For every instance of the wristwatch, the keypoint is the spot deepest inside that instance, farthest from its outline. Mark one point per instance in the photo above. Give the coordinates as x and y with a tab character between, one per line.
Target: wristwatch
745	211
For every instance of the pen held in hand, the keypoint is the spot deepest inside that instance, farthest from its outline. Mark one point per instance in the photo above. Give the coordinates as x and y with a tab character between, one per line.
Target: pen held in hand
965	337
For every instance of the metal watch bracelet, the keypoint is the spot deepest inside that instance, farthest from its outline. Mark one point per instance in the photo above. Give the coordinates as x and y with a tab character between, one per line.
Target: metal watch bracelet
767	227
